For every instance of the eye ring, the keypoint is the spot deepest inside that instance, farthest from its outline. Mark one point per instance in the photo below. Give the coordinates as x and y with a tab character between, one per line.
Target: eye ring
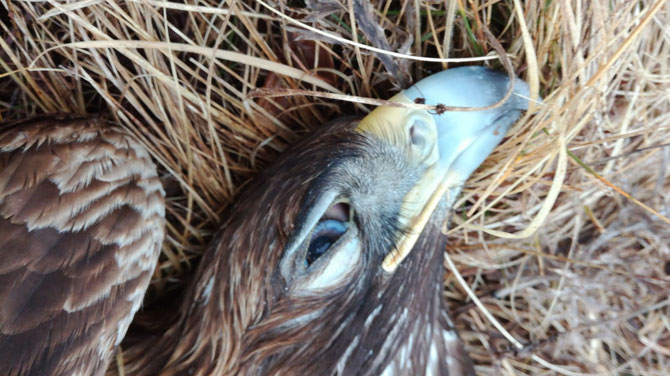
332	225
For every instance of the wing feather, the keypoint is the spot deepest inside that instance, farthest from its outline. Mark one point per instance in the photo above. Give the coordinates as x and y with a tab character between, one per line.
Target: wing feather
81	224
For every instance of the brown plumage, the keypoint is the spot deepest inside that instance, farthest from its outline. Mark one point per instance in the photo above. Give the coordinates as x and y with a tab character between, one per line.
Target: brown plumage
241	317
330	263
81	224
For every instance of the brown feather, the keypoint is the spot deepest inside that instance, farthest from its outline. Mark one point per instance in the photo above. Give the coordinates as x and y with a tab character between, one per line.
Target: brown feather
240	317
81	225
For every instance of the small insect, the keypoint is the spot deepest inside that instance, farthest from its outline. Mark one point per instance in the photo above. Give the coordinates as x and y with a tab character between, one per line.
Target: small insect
440	108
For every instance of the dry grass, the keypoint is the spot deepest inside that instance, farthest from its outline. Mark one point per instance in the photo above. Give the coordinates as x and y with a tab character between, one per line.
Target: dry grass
562	236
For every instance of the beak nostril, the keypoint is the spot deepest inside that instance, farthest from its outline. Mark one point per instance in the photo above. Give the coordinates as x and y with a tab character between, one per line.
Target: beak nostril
419	131
422	136
415	137
416	134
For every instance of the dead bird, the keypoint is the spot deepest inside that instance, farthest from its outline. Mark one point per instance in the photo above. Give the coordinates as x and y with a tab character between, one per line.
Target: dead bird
329	263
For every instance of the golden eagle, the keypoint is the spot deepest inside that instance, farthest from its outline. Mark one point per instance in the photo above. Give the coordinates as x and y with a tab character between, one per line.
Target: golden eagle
329	263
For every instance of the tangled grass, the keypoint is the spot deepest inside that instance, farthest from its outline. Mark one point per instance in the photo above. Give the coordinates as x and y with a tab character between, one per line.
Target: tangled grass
559	247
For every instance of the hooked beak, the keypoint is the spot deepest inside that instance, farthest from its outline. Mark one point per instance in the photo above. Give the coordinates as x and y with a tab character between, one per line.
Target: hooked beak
451	144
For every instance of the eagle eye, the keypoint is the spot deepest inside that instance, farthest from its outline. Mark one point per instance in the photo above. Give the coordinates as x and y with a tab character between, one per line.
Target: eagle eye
327	231
326	249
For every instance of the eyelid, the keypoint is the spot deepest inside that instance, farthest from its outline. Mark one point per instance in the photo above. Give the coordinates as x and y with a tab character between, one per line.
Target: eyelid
304	228
326	233
340	265
340	210
338	224
338	262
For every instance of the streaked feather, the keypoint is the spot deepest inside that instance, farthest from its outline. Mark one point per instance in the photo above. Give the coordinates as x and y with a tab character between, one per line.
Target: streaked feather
81	226
86	214
239	317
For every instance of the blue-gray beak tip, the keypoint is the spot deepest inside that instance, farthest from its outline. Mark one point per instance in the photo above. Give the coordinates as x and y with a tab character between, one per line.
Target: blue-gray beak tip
471	86
466	138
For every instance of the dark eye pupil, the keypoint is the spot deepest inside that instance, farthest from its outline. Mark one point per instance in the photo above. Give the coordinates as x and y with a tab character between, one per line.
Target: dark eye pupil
324	236
318	247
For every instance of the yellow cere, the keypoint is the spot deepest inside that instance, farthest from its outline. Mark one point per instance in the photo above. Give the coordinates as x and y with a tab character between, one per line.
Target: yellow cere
393	124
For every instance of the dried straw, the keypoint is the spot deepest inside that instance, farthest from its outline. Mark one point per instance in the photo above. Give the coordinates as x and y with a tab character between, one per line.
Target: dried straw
559	247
